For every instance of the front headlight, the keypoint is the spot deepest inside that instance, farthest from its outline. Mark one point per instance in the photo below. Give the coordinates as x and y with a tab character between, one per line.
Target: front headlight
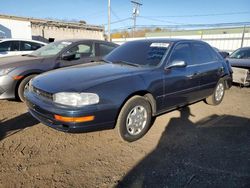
5	71
76	99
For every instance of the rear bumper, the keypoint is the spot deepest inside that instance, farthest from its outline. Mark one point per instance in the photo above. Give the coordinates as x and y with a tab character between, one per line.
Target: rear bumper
241	76
7	87
44	111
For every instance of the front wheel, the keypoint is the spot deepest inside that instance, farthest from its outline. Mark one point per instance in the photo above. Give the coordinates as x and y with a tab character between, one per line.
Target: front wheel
134	119
217	95
22	85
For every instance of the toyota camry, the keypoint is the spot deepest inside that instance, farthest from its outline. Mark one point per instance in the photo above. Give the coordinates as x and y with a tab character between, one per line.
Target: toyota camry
135	82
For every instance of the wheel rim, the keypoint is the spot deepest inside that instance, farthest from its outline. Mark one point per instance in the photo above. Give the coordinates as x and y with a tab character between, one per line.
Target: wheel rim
26	86
219	92
136	120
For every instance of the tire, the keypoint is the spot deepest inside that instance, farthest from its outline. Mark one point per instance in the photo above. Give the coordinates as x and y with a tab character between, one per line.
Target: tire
131	128
217	95
21	87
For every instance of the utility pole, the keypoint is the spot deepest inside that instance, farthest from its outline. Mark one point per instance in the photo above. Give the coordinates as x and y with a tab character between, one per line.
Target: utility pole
135	13
243	36
109	7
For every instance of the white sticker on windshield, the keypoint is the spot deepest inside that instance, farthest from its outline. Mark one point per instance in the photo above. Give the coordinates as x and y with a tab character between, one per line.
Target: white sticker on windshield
160	45
66	43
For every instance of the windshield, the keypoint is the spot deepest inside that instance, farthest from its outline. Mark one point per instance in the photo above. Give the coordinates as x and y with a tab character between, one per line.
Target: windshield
50	49
143	53
241	54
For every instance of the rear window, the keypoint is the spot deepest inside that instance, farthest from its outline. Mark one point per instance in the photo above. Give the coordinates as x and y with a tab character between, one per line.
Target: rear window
104	49
144	53
9	46
5	46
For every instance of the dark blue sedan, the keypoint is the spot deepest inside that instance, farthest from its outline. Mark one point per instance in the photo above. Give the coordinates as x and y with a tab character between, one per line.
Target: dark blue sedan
135	82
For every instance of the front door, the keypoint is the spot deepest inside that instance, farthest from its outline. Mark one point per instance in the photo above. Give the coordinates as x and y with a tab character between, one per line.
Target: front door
180	83
78	54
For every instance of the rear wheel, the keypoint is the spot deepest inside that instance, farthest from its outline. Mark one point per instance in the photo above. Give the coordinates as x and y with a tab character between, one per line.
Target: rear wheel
217	95
22	85
134	119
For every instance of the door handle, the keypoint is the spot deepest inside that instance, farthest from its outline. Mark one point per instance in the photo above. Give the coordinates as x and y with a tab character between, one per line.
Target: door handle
220	70
195	74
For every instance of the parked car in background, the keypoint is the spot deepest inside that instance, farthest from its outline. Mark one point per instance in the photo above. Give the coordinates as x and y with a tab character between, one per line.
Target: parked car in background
224	54
136	81
240	61
12	47
16	71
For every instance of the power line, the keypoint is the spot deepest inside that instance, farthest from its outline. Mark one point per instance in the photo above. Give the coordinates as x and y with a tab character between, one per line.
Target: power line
200	15
118	21
164	21
115	15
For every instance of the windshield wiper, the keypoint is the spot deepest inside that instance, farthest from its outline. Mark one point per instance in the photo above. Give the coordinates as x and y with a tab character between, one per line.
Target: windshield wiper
106	61
126	63
29	55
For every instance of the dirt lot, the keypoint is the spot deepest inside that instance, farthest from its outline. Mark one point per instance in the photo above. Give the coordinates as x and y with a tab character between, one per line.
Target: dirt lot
198	146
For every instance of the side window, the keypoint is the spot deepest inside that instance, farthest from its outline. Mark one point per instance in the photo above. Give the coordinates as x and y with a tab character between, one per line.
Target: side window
248	53
104	49
82	51
5	46
203	54
182	52
29	46
244	54
14	46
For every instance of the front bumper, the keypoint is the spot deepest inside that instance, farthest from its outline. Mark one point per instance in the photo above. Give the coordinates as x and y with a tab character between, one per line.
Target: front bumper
44	111
7	87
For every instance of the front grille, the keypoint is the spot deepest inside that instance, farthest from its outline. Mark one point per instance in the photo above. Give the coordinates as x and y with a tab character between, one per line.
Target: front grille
42	93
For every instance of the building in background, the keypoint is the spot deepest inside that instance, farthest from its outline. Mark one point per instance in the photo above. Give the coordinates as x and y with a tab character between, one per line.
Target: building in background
223	38
47	30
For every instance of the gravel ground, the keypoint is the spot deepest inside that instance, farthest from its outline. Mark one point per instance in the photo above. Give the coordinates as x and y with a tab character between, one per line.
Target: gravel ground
197	146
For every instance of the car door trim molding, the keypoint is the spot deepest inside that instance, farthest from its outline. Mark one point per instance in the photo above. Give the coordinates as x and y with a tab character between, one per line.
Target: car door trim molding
186	90
208	63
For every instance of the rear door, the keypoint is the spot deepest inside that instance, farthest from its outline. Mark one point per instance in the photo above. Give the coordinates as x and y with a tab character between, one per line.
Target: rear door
209	68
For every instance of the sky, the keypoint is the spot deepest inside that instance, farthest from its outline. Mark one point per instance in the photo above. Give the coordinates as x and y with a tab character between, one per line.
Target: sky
152	12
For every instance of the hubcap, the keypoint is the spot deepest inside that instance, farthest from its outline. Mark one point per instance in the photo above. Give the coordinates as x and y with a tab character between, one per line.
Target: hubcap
26	86
219	92
136	120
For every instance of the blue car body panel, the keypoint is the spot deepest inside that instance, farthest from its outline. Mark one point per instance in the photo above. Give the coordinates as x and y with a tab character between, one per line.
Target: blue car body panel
116	83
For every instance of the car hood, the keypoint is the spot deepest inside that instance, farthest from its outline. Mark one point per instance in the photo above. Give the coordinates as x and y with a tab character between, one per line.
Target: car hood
244	63
18	61
82	77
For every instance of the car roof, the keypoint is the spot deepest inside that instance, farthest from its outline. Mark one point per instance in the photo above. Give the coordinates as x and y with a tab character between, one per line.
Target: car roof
244	48
83	40
169	40
20	39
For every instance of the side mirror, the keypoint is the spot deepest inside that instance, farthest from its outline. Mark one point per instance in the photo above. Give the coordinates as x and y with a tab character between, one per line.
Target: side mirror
224	54
176	63
68	56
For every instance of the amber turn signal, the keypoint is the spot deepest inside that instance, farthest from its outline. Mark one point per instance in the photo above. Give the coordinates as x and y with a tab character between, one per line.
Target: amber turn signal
17	77
74	119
